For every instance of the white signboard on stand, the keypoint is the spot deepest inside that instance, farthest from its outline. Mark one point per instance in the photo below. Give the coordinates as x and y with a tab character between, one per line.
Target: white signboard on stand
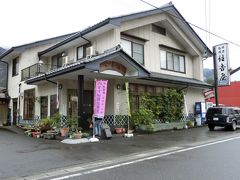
222	64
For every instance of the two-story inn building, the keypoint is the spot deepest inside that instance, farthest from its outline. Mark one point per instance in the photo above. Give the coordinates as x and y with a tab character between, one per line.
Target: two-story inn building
152	50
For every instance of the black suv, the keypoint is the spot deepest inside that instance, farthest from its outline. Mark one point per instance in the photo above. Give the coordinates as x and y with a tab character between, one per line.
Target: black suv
228	117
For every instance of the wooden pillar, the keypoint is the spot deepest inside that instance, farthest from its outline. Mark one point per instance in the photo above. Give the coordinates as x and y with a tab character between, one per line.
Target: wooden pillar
80	100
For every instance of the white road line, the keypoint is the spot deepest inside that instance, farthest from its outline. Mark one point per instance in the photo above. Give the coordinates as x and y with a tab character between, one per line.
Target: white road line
143	159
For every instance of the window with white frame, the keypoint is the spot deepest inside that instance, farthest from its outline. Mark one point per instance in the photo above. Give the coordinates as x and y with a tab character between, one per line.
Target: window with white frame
135	50
59	59
15	66
172	61
81	51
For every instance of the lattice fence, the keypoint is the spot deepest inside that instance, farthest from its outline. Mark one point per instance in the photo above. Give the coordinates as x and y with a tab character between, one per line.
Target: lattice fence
111	120
116	120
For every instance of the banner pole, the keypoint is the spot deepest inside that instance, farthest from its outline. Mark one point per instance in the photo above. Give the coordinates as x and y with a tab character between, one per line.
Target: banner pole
129	110
94	139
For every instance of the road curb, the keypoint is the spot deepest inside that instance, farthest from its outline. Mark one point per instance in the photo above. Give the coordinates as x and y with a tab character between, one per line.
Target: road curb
3	128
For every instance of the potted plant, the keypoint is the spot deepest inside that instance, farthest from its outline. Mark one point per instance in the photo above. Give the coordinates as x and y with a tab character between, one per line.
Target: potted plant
58	124
78	134
118	127
45	124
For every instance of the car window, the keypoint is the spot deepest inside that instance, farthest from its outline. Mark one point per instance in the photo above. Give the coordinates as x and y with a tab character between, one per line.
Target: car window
231	111
212	111
237	111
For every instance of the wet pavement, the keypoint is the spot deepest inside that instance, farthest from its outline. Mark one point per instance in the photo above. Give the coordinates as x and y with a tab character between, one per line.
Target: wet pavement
21	155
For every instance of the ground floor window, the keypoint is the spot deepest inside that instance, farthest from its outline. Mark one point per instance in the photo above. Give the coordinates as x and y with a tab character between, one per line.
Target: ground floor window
137	90
44	106
53	105
72	103
29	104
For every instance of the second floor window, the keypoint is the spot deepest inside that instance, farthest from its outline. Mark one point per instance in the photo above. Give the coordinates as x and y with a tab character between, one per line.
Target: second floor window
172	62
135	50
15	66
59	59
82	51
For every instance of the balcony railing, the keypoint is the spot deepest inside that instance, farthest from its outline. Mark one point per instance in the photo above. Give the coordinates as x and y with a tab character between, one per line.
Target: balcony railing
36	70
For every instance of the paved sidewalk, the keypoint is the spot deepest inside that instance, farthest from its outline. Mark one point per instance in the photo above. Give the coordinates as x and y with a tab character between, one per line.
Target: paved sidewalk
22	156
13	129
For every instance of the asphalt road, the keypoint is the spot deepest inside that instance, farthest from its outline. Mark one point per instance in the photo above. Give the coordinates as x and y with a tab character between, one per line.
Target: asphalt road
22	156
211	162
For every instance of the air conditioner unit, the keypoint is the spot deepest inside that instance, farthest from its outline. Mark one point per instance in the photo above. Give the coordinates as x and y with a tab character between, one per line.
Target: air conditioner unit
70	61
89	52
64	64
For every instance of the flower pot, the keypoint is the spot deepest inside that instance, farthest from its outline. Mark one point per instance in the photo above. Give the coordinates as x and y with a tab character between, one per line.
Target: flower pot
119	130
36	134
78	136
64	131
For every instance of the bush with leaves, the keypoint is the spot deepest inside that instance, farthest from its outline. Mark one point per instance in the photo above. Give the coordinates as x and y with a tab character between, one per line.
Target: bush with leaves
56	120
166	106
171	105
145	115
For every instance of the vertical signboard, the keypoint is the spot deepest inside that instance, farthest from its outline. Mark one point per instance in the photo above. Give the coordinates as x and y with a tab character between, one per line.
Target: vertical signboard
222	64
100	98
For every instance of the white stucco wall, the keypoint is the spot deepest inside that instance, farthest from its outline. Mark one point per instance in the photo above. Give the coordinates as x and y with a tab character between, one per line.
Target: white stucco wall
120	99
106	41
152	51
27	58
193	95
142	28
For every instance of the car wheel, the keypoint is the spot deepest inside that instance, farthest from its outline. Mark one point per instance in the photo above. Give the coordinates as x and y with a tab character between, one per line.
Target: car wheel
211	127
234	126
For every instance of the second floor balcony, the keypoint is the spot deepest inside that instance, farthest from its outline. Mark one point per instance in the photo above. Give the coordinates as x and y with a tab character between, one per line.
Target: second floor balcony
36	70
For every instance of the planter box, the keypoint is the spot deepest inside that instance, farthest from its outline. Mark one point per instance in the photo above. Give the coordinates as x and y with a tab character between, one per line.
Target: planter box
36	134
49	135
164	126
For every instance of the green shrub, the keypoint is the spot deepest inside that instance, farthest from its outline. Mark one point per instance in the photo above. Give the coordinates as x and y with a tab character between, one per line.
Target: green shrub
145	115
167	106
56	120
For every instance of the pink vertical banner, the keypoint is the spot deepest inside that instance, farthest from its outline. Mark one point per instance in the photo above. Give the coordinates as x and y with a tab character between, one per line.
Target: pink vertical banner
100	94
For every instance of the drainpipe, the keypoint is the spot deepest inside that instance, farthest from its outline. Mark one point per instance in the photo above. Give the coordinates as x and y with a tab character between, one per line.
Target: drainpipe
19	101
85	39
49	80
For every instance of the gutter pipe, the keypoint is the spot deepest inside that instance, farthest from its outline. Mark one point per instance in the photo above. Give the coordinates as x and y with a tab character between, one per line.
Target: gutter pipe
49	80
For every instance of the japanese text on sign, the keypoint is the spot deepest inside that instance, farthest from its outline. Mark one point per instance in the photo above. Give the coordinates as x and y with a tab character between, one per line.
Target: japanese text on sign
222	64
100	98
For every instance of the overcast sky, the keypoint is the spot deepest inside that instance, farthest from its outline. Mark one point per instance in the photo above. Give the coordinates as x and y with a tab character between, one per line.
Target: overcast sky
24	21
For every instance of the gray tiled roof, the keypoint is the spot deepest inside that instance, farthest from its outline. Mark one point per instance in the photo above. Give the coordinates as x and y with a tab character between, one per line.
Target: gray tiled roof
177	80
2	50
77	65
32	44
119	19
159	77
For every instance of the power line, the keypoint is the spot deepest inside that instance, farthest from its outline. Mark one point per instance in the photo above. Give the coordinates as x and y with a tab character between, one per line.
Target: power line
192	24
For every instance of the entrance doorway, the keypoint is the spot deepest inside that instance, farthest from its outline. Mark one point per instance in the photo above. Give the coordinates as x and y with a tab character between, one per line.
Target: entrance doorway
87	106
3	112
15	103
